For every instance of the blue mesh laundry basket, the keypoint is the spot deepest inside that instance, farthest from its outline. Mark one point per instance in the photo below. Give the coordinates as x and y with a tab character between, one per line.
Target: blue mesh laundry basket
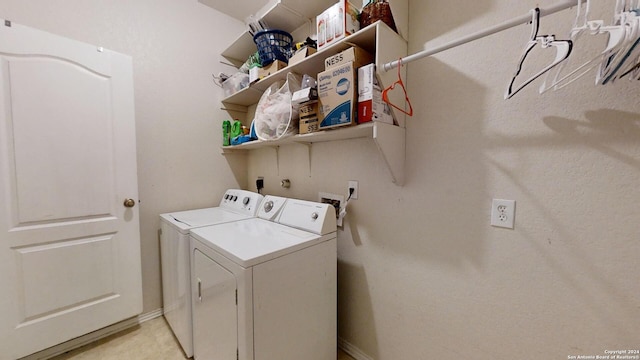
273	45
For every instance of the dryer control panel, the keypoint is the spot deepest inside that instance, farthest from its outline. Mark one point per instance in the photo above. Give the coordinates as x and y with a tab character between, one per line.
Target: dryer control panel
311	216
271	207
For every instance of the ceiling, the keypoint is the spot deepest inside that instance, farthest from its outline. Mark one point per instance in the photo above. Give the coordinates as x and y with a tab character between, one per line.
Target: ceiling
239	9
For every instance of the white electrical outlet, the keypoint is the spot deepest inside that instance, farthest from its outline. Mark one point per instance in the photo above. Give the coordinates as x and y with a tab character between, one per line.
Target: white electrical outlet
503	213
353	184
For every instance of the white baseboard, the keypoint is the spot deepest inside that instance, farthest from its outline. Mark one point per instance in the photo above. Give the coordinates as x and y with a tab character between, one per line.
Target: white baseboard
352	350
150	315
93	336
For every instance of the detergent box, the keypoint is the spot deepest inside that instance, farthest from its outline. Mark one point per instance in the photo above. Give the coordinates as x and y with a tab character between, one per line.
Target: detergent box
371	107
337	90
336	22
355	54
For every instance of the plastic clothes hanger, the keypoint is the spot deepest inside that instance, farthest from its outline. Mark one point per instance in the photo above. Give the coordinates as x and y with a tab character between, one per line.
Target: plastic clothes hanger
581	27
576	32
615	37
634	68
563	49
399	82
634	71
631	52
628	20
633	61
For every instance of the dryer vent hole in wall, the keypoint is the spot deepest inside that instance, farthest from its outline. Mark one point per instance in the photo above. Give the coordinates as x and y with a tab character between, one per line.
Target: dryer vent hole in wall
333	199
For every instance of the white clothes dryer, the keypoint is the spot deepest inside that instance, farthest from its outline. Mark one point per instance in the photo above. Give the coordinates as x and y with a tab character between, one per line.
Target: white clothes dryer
266	288
235	205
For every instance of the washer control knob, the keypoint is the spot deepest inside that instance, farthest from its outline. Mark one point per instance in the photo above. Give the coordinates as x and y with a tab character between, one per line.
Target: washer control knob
268	206
235	198
314	216
246	200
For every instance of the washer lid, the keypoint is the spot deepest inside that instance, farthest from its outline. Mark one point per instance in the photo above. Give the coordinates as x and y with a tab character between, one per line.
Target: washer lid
185	220
255	240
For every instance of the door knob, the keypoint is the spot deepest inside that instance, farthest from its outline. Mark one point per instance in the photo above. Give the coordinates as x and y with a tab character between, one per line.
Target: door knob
129	203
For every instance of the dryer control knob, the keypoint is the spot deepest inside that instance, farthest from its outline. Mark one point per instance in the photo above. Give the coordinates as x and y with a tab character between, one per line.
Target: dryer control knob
246	200
314	216
268	206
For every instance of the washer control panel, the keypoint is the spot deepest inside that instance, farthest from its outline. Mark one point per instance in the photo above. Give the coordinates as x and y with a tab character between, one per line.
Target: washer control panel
241	201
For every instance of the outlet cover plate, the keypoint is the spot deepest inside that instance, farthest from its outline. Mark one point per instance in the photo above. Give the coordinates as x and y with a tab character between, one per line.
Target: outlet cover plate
503	213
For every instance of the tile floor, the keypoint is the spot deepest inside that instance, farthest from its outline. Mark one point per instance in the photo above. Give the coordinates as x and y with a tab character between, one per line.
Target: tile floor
152	340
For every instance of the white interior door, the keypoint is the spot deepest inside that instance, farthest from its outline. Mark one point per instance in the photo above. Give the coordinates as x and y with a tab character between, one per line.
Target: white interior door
69	248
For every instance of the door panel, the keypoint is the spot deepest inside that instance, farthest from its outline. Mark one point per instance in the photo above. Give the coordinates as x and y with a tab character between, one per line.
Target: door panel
69	249
84	271
49	137
215	314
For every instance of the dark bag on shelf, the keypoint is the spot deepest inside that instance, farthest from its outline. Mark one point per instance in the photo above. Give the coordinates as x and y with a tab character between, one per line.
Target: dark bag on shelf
377	10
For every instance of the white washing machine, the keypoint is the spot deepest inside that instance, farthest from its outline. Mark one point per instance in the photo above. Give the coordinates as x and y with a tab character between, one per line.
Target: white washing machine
266	288
235	205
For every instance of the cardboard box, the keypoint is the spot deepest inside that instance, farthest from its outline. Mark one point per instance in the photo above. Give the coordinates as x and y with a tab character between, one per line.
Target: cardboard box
337	94
308	125
337	22
254	74
356	54
371	107
272	68
304	95
308	109
301	55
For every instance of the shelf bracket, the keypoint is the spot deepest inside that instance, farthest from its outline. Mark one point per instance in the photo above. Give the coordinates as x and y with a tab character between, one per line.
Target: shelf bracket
234	108
391	144
277	149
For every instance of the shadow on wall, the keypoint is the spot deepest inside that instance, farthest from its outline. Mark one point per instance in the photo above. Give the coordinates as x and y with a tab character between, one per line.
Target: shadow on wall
441	210
605	127
354	299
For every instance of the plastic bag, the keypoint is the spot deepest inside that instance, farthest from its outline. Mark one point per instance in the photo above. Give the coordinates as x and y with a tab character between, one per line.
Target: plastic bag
235	83
276	116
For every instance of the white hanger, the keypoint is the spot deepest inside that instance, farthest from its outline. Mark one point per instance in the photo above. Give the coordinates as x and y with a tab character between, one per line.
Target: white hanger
628	56
628	20
563	49
615	35
579	28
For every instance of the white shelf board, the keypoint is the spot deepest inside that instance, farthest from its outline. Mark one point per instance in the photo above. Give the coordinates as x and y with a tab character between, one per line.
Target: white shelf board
345	133
389	139
286	15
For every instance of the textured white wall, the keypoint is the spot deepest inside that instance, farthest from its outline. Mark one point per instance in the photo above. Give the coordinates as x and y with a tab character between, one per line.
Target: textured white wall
175	47
422	275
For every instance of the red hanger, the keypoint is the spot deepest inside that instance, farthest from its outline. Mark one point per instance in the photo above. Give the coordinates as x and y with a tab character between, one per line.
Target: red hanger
385	97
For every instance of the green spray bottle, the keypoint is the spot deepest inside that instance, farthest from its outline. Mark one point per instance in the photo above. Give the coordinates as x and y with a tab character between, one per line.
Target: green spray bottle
226	132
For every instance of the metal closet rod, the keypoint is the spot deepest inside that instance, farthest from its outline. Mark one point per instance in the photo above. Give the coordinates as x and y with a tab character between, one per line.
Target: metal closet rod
524	19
